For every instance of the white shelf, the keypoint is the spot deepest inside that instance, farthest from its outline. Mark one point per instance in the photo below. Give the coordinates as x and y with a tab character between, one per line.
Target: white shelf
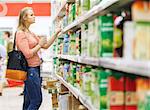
76	93
86	102
88	60
68	57
128	66
61	11
119	64
102	8
69	86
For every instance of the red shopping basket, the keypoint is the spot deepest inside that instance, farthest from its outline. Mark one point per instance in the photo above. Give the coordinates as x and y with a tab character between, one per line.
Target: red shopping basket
14	83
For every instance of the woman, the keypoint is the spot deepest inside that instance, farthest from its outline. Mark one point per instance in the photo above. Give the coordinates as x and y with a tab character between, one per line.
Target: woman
30	44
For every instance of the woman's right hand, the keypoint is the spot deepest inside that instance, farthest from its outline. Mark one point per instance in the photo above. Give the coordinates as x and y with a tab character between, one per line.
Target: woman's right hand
43	41
58	30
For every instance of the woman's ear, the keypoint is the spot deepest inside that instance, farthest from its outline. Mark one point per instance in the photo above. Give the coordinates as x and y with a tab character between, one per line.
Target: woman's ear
25	17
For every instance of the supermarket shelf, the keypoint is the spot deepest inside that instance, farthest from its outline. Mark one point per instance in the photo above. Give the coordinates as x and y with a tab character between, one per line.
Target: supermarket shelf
80	59
68	57
119	64
129	66
86	102
88	60
61	11
69	86
76	93
102	8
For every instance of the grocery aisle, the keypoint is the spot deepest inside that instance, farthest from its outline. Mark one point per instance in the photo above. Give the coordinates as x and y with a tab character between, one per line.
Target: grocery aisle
102	56
100	60
12	101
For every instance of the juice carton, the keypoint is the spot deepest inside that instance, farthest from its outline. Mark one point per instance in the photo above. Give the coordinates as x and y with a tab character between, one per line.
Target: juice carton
143	87
95	97
142	41
141	11
130	93
84	40
116	91
85	6
106	36
103	88
129	27
93	39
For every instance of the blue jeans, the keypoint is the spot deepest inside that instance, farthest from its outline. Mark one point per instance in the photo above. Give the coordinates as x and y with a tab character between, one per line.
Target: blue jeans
32	89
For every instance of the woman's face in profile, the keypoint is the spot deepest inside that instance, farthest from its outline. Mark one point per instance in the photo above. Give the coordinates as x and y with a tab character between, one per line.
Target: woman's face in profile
30	18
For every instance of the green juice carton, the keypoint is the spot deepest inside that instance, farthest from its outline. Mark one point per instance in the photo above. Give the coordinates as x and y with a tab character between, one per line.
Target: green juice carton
87	83
72	44
73	12
93	38
78	79
70	14
78	42
95	96
85	6
103	88
81	74
106	36
73	75
84	40
148	101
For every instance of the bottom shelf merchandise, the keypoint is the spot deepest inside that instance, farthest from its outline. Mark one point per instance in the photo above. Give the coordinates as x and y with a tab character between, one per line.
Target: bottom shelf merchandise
104	89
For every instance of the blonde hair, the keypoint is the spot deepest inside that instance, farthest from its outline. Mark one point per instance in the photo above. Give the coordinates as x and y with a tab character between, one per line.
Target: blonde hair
22	14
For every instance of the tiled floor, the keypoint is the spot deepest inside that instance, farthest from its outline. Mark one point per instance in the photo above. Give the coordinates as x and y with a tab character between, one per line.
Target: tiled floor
12	101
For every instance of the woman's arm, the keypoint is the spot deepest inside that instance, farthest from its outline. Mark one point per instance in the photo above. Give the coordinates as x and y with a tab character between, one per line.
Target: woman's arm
51	40
36	49
23	45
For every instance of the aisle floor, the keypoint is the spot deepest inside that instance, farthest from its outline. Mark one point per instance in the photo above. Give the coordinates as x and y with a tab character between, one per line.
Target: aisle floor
12	101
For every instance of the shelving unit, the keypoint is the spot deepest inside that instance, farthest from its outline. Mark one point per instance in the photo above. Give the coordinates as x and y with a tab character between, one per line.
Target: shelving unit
76	93
70	87
136	67
102	8
120	64
61	11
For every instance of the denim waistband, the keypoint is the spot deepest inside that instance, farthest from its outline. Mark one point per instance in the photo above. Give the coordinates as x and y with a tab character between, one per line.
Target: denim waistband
34	70
38	67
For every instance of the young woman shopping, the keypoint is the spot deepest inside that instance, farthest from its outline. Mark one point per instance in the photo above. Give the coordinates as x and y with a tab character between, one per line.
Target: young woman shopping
30	44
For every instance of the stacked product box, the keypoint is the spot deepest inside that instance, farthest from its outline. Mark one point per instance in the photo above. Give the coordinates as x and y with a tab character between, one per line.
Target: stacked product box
106	36
130	93
116	91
